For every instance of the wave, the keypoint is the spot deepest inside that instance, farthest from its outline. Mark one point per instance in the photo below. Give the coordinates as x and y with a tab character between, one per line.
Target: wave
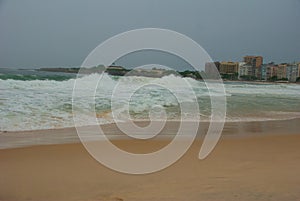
34	77
31	102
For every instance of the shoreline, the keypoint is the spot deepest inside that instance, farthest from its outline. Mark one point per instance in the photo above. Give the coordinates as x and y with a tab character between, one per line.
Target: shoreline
260	82
14	139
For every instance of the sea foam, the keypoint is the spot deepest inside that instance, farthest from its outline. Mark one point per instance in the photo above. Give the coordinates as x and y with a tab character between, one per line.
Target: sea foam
45	104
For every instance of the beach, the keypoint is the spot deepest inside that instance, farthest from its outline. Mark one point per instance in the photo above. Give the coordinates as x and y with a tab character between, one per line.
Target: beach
42	158
250	164
149	101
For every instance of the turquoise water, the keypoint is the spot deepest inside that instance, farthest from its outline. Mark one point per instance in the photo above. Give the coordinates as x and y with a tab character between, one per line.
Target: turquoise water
31	100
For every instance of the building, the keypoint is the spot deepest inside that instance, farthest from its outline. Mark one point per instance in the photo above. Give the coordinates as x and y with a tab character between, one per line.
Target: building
229	67
298	76
211	68
298	70
258	72
268	71
292	72
282	71
245	70
241	63
255	61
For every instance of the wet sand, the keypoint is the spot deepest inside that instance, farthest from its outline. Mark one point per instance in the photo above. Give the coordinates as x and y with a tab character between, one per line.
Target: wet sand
69	135
258	165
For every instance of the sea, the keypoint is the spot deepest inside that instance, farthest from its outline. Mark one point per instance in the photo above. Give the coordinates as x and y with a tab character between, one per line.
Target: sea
37	100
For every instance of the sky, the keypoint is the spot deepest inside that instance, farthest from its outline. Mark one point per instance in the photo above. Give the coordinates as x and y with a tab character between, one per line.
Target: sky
40	33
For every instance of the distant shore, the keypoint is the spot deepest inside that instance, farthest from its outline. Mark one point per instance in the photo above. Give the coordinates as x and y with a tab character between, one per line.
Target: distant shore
156	73
259	82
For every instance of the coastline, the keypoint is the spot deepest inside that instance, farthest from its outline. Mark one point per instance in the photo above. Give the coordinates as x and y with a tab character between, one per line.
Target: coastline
259	82
14	139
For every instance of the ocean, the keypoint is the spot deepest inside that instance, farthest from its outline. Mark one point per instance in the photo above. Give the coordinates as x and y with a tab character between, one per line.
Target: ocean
35	100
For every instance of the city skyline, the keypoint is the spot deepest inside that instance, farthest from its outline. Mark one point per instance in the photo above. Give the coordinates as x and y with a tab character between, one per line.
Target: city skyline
253	68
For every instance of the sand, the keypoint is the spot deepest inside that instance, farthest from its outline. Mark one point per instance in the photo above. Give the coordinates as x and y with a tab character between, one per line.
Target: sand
256	167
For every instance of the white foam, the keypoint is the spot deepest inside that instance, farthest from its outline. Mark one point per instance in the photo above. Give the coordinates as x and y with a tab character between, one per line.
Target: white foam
44	104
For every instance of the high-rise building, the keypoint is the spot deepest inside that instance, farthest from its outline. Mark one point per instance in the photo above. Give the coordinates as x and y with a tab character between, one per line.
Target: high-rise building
245	70
229	67
292	72
281	71
258	72
255	61
268	71
298	70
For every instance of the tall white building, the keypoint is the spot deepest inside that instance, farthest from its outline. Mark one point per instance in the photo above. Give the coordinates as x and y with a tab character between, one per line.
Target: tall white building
292	72
245	70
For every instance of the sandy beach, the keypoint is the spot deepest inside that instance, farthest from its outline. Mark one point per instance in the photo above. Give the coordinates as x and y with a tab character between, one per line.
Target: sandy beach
149	100
252	167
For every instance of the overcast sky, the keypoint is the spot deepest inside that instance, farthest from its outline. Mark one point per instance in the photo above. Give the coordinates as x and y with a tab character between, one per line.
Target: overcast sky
35	33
